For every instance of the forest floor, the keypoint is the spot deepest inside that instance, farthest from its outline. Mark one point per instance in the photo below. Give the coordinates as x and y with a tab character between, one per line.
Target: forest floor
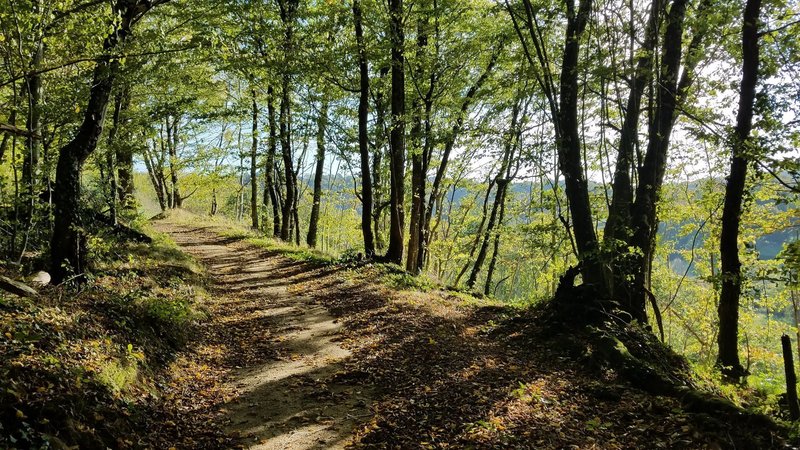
305	355
226	340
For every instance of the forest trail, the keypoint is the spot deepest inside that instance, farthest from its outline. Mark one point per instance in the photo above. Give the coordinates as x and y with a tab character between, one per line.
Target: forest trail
309	356
280	346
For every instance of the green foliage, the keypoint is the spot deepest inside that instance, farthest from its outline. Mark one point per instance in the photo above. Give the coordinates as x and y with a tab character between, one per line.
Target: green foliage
400	279
192	69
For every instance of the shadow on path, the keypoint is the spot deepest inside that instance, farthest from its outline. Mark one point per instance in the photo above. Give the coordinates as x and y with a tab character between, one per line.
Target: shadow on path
280	348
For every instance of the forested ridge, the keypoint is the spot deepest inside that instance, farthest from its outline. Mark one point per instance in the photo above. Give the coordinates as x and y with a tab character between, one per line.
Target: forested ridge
399	224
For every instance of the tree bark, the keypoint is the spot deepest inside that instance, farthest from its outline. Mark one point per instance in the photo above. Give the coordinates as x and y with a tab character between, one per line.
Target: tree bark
728	337
651	172
503	179
496	250
479	234
270	187
111	158
569	149
254	167
397	135
502	185
378	206
12	118
124	155
363	135
618	225
156	178
30	165
286	153
289	213
419	152
322	125
173	123
791	378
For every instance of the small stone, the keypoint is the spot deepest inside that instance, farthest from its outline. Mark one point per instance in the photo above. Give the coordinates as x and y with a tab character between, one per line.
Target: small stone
40	278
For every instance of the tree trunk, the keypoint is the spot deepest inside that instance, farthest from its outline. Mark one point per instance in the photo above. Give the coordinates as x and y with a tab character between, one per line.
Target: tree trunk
397	135
377	162
12	118
791	378
493	262
322	125
172	148
154	171
502	180
487	235
30	165
420	152
270	167
618	225
289	213
479	234
651	172
286	152
124	155
569	146
111	155
363	136
728	337
68	243
254	167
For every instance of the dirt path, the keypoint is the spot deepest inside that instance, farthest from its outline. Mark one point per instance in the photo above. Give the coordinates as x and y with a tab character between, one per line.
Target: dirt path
452	373
278	346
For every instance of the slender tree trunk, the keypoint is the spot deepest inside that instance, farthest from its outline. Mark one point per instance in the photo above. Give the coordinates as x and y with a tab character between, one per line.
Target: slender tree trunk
791	378
322	125
496	250
377	162
419	152
254	167
728	337
651	172
618	225
479	234
111	153
569	147
124	155
30	165
487	235
286	152
33	91
363	136
172	147
502	180
270	167
455	131
158	185
397	135
289	213
12	119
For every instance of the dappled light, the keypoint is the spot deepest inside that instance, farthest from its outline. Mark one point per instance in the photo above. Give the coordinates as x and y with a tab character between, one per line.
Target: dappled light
399	224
